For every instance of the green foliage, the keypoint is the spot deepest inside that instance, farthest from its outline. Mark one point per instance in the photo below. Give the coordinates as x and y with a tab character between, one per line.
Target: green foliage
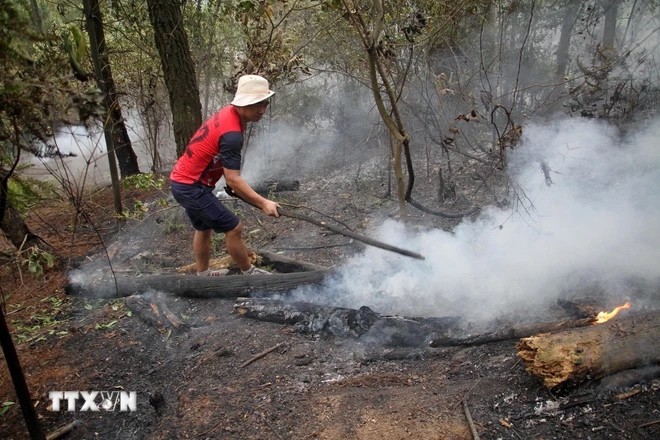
37	260
143	181
173	225
24	193
217	242
105	325
117	308
43	323
35	82
136	212
5	407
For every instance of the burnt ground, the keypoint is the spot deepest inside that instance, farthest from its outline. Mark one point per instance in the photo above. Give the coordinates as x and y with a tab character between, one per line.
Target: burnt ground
191	382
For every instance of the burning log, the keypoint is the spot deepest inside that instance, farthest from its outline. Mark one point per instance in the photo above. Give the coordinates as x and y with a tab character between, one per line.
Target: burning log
231	286
361	323
594	352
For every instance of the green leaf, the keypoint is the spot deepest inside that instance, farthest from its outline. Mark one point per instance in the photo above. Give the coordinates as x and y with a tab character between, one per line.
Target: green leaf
5	407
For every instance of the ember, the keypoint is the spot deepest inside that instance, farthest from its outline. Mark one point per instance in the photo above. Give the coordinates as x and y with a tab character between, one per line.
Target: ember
605	316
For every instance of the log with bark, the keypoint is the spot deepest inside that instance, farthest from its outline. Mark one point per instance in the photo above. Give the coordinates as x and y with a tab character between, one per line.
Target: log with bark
573	356
362	323
230	286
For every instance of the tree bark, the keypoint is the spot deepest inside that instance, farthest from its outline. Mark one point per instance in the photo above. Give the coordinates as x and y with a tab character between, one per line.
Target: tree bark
11	222
178	69
593	352
120	144
230	286
18	232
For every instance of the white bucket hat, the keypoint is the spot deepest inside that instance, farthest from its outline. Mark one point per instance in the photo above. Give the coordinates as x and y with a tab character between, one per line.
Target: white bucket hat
251	90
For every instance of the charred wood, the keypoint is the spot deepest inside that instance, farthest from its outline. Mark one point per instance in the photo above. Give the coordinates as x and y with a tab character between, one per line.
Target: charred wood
361	323
628	378
510	332
231	286
64	430
593	352
266	188
286	264
154	312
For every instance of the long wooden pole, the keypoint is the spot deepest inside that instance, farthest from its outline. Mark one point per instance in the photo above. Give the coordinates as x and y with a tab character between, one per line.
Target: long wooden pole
347	233
344	232
17	376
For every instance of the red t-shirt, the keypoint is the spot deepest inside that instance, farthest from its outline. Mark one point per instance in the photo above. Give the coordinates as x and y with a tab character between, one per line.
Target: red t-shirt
215	146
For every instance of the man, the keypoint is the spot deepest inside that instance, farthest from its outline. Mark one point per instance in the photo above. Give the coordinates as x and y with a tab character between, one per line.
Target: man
214	151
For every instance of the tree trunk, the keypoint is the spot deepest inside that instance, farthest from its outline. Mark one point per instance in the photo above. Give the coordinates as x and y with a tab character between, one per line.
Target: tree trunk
121	143
17	231
609	29
36	16
567	24
230	286
593	352
11	222
178	69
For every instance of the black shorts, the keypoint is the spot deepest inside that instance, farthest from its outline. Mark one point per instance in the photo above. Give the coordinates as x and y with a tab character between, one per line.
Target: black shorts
203	208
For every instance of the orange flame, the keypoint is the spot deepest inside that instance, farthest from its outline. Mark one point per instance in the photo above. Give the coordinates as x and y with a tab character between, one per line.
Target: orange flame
605	316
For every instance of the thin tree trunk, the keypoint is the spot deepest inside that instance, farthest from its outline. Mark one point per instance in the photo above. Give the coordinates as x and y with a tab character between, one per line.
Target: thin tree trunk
567	24
36	16
609	29
178	69
94	23
121	143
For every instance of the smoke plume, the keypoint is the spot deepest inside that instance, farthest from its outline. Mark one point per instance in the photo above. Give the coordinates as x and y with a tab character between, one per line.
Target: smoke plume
586	209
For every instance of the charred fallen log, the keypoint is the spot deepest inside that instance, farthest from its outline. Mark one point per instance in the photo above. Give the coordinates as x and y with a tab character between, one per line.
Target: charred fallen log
361	323
594	352
231	286
510	332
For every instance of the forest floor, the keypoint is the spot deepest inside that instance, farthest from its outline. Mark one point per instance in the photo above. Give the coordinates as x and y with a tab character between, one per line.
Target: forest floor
191	382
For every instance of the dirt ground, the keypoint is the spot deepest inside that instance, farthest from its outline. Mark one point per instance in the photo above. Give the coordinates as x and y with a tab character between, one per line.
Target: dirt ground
192	382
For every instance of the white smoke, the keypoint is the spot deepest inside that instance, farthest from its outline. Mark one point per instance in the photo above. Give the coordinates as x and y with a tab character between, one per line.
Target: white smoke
599	221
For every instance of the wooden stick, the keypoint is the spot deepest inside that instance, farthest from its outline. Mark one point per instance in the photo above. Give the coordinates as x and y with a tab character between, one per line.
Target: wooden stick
59	432
366	240
655	422
347	233
262	354
473	429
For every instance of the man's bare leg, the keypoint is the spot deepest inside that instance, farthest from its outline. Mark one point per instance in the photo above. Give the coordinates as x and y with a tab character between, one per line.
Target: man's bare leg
202	249
236	248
